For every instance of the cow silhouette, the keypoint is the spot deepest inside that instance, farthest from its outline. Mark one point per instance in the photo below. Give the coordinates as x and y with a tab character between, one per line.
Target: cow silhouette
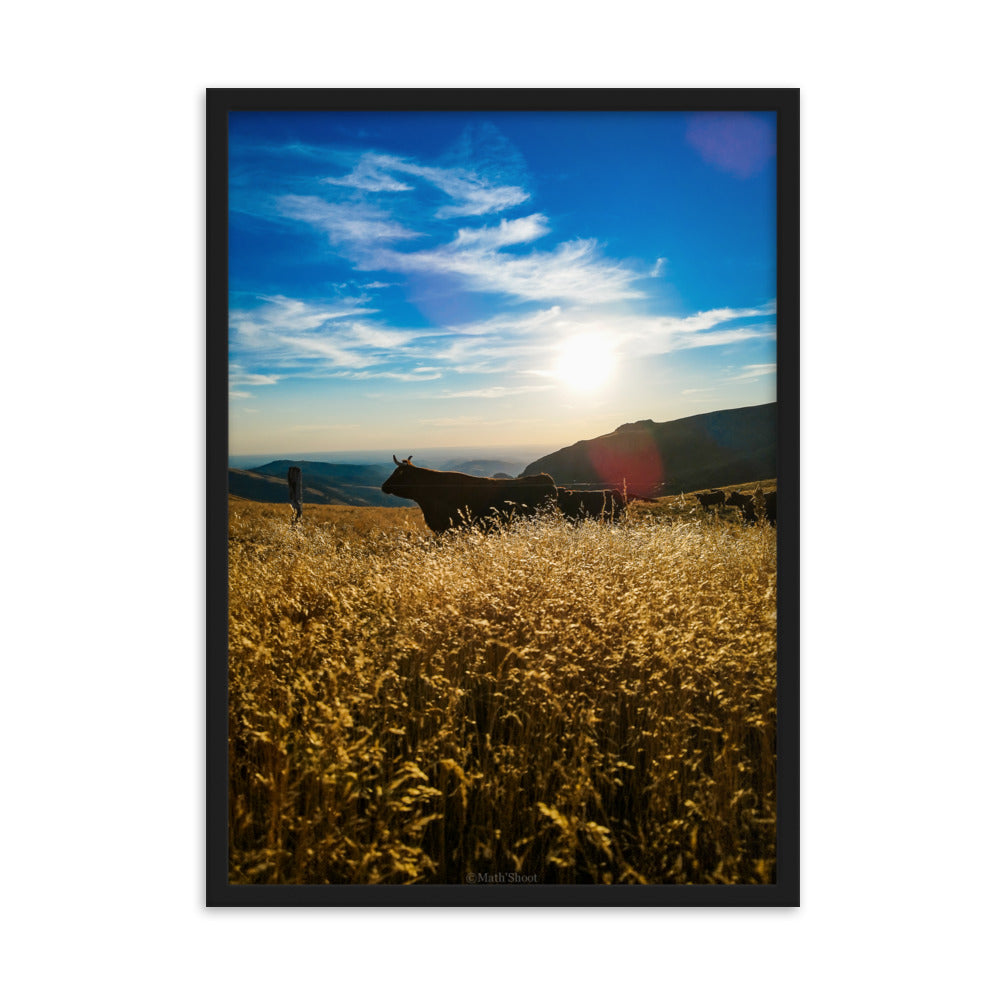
711	499
604	505
744	502
771	508
452	499
752	507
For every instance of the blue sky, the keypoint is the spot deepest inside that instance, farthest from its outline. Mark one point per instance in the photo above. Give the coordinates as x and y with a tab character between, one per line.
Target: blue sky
418	280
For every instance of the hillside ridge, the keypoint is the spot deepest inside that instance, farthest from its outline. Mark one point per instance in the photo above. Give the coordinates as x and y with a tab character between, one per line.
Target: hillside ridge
674	456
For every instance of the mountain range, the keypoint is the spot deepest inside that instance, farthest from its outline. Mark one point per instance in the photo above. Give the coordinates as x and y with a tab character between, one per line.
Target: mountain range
322	482
676	456
650	458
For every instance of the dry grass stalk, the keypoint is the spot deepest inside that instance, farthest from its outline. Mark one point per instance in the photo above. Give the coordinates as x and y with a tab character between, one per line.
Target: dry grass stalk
576	703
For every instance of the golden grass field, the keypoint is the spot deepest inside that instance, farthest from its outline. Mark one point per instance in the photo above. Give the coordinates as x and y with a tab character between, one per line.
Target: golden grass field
551	703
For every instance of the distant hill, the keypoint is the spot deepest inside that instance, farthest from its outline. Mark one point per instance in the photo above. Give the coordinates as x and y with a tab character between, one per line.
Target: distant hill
490	467
334	473
255	485
676	456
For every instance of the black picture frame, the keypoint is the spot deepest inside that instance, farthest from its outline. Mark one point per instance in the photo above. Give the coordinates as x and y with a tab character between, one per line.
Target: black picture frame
220	102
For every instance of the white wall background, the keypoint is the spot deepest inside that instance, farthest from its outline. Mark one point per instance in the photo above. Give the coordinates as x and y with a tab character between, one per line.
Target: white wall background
102	222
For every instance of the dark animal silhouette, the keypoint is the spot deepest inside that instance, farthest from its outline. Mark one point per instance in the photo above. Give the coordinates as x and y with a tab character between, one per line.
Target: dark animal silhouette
451	499
771	507
751	507
745	504
601	504
711	498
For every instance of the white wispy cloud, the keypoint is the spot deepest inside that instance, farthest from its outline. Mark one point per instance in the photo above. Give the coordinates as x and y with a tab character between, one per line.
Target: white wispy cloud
398	376
721	338
513	324
508	233
247	378
369	175
715	317
277	314
504	340
470	192
328	348
487	355
281	336
238	376
365	228
495	391
344	222
659	267
750	373
574	271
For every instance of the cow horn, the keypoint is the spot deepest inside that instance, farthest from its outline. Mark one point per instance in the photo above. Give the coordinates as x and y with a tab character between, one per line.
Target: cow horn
409	458
396	460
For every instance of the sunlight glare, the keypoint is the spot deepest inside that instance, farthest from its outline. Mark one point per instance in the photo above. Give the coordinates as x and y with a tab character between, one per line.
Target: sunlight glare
585	362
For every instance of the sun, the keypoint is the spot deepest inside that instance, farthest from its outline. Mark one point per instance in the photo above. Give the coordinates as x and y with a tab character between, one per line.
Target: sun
585	362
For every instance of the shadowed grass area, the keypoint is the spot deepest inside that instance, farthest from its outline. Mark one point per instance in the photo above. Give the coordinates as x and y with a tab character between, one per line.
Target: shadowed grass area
573	703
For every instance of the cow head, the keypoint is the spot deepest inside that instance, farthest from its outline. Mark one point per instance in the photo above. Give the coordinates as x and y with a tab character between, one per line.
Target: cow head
402	481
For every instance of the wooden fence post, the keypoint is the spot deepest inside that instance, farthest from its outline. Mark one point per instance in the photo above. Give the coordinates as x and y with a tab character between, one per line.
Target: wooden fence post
295	491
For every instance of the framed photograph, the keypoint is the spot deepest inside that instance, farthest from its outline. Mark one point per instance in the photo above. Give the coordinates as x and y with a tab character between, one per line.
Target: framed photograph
501	385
